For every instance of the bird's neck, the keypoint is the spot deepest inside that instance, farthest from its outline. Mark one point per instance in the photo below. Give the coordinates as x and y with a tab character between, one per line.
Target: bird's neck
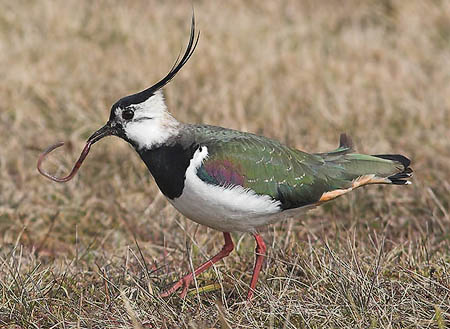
168	163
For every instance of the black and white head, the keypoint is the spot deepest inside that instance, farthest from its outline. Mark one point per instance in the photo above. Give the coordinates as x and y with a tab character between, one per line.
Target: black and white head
142	119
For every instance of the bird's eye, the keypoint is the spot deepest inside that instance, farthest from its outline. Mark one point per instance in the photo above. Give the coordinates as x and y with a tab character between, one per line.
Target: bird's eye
127	114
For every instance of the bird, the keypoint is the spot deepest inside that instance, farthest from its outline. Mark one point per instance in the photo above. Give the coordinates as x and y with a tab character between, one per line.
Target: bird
229	180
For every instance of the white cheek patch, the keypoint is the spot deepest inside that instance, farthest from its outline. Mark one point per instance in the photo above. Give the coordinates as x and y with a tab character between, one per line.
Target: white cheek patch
150	132
151	125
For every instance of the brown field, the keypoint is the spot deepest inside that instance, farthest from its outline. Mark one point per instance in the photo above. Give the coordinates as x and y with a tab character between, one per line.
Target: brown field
95	252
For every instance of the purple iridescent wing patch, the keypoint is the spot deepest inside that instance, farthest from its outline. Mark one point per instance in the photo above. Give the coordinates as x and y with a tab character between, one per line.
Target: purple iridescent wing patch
221	172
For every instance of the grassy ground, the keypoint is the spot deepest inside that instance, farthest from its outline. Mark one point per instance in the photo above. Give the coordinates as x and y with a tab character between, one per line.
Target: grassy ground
95	252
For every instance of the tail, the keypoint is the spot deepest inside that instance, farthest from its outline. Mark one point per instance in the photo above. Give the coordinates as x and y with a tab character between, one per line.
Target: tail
400	178
347	170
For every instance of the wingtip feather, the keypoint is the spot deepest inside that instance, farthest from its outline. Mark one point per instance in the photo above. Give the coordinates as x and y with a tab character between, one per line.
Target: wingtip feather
345	141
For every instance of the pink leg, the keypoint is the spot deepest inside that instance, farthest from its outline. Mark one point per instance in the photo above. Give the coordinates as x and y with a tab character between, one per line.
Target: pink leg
260	252
186	280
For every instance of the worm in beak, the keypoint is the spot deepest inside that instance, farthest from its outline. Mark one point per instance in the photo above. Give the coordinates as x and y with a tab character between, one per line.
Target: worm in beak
106	130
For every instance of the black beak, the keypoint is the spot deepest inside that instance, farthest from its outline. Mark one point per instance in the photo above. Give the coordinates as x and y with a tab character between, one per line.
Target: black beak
106	130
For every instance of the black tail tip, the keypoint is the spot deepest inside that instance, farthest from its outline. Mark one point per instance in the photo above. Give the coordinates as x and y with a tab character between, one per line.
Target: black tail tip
396	157
402	177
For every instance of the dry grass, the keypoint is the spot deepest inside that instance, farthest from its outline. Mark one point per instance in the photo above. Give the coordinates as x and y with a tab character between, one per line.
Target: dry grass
95	252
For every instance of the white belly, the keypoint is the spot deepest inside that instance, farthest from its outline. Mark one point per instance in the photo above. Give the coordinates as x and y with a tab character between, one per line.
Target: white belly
222	208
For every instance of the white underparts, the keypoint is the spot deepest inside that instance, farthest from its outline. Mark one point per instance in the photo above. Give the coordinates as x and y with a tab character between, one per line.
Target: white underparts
223	208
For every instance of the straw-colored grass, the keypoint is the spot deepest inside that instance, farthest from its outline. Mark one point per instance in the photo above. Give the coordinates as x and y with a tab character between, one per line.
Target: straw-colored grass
95	252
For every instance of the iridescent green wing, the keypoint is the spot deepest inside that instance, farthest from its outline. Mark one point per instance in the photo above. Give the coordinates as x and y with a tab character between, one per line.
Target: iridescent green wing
293	177
263	165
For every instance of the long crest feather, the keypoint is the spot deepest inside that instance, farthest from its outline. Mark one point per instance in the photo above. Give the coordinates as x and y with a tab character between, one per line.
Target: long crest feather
193	41
145	94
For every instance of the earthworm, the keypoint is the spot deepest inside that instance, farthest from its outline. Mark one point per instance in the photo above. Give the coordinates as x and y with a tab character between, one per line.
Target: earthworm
75	168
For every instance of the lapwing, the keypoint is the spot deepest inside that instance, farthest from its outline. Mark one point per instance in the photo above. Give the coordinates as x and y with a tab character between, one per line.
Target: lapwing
229	180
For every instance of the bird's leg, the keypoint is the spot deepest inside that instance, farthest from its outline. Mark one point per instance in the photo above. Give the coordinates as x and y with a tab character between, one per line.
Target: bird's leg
260	252
186	280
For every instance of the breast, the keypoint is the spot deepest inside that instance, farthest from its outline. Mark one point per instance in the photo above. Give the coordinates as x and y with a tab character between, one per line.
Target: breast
224	208
168	165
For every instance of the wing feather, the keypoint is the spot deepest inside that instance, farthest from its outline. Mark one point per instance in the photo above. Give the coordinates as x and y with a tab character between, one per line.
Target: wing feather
263	165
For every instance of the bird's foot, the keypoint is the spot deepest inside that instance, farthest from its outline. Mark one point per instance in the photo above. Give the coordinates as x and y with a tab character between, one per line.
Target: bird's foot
250	295
183	282
186	280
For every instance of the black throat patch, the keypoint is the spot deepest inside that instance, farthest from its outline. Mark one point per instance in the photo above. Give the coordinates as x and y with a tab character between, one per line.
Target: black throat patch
168	164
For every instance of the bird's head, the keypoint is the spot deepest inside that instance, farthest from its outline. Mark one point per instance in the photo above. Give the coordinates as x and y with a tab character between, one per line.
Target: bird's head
141	119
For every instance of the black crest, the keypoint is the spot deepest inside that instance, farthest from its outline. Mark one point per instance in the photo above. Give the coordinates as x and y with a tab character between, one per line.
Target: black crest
145	94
